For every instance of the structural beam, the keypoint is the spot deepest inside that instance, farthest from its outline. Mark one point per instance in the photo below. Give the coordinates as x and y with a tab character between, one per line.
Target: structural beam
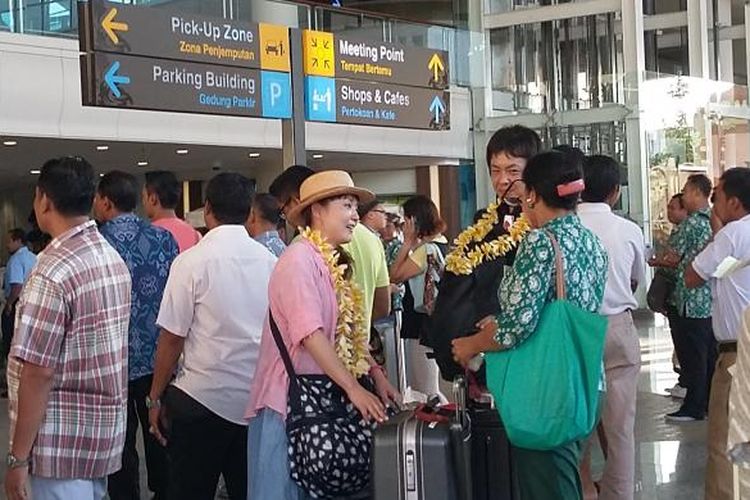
550	13
665	21
610	113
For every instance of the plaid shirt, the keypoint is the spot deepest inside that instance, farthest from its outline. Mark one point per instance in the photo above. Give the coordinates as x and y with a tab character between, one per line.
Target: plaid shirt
73	316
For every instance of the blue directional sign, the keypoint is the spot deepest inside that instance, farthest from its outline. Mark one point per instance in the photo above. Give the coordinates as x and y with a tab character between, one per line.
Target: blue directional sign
320	98
364	103
132	82
276	94
437	107
113	80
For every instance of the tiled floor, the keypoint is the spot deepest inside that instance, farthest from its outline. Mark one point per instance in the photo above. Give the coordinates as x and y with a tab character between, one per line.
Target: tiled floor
671	458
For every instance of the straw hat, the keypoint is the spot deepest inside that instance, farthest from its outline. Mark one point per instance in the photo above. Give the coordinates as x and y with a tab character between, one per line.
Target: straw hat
323	185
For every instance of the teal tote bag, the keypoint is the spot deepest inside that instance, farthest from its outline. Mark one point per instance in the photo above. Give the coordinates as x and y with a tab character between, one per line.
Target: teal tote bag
547	389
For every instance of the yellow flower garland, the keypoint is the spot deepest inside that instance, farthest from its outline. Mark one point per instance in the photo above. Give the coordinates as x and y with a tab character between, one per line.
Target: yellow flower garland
463	261
352	336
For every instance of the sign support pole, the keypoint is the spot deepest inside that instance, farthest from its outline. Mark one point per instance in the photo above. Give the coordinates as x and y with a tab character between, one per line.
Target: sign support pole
293	130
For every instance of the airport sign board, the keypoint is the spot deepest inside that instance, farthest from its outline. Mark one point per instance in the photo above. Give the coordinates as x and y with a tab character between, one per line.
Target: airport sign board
342	56
366	103
165	34
130	82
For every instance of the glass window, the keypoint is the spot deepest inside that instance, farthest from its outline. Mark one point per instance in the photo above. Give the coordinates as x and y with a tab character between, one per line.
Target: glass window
559	65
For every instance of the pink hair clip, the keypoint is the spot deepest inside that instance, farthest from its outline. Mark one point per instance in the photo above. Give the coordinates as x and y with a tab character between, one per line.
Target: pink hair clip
574	187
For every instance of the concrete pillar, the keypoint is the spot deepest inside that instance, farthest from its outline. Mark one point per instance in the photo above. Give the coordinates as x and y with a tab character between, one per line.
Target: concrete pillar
698	38
726	52
481	78
637	154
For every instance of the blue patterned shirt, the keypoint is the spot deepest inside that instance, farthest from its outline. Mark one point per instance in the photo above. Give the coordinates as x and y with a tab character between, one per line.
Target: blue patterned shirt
148	252
271	240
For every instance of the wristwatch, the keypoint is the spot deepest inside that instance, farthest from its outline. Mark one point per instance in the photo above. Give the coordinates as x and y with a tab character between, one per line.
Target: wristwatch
152	403
15	463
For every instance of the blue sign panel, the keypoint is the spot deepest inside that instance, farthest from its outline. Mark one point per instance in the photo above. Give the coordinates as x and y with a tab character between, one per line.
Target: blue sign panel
276	94
320	98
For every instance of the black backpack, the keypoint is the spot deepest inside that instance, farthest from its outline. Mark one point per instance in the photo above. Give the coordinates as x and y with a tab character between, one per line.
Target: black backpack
462	301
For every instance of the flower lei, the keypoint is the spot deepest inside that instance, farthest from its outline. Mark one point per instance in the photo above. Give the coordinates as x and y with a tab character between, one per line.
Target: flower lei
352	338
463	261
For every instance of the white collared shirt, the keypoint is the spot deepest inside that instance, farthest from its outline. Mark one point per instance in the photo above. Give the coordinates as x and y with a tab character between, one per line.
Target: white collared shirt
624	243
217	299
731	293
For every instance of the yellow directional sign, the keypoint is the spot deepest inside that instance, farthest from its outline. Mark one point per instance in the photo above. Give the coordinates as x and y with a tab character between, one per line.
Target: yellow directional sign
436	66
111	26
319	53
274	47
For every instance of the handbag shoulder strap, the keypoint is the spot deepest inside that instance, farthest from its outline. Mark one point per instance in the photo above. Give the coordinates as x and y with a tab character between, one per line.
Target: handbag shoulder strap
282	348
559	267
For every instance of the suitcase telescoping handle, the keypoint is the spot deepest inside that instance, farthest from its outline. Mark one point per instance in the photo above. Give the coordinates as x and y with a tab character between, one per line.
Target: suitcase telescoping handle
459	396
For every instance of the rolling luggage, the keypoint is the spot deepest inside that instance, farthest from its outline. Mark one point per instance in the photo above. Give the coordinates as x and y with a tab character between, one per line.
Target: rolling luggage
491	467
415	459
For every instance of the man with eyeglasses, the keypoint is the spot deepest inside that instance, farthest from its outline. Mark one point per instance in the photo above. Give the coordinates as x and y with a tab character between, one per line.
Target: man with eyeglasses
373	216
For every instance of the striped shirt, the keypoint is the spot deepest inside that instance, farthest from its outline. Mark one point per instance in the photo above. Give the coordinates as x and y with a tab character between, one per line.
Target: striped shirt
73	317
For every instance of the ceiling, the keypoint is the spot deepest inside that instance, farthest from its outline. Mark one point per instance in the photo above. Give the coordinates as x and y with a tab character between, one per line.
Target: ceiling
200	162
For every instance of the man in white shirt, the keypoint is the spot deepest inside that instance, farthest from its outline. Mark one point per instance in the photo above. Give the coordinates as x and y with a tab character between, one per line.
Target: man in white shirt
724	263
211	317
622	354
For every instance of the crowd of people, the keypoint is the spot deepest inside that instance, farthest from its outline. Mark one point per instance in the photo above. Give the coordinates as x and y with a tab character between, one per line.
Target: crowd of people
226	351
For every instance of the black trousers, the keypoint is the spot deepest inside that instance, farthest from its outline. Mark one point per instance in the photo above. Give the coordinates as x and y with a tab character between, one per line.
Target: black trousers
8	325
673	318
697	354
201	446
125	483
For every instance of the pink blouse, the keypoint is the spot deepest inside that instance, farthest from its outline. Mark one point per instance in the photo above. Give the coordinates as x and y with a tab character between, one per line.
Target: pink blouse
303	301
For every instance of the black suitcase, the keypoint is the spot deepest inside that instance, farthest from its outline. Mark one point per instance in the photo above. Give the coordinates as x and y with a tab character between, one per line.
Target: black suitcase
417	460
491	466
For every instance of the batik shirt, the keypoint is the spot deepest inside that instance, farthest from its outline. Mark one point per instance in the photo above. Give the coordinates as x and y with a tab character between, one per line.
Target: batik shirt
530	284
148	252
391	251
694	235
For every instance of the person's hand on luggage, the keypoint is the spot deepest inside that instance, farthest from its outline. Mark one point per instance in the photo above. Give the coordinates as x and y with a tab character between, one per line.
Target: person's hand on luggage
367	403
388	394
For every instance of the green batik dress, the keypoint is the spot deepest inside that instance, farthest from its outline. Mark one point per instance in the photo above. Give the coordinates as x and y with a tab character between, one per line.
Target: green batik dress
693	236
524	292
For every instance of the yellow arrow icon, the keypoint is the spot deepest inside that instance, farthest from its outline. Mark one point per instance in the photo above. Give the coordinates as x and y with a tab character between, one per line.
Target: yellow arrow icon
436	65
110	26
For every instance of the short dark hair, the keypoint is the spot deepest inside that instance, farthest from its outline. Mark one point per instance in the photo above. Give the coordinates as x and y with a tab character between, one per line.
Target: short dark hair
426	215
679	199
288	183
569	150
516	140
602	176
70	184
267	206
230	196
18	234
736	184
165	186
546	171
121	188
701	182
365	208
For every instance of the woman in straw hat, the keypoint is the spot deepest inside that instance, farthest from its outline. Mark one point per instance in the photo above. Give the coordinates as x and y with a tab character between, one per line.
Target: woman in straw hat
318	312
